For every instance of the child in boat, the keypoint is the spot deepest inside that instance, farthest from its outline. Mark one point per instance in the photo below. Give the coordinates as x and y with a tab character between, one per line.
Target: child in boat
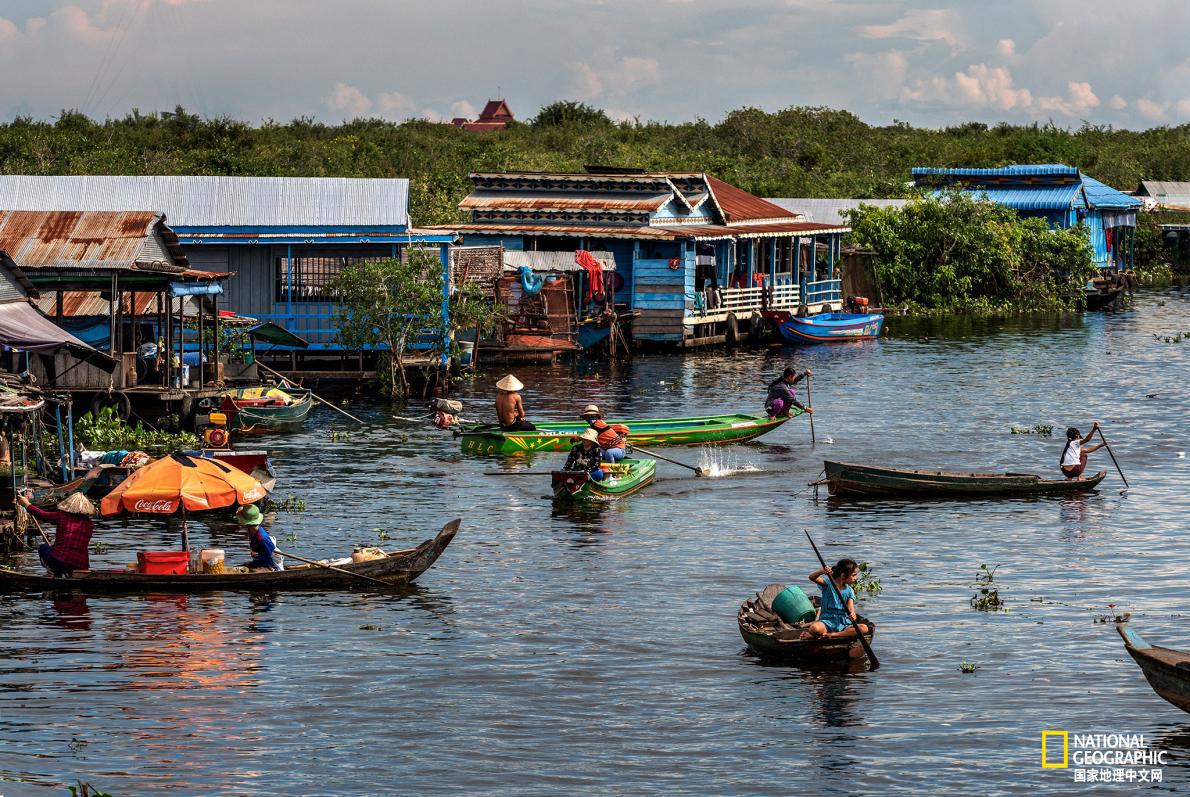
262	544
613	437
782	397
835	583
1074	456
586	455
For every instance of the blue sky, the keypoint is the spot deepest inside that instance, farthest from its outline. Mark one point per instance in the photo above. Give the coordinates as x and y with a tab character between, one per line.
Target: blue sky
926	63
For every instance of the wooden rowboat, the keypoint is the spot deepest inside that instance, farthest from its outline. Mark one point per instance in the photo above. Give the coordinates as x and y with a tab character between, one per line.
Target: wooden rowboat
624	478
1167	670
699	431
398	568
851	479
254	409
772	638
826	327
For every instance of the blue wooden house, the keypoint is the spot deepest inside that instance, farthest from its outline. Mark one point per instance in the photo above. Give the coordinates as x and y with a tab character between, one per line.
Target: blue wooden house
1060	194
283	238
695	259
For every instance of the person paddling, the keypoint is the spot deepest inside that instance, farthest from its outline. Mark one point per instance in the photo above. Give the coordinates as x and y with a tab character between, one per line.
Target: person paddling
1074	457
73	521
782	397
832	619
613	437
585	455
510	411
262	544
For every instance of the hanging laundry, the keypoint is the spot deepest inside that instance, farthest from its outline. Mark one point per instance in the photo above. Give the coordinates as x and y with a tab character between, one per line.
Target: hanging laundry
594	275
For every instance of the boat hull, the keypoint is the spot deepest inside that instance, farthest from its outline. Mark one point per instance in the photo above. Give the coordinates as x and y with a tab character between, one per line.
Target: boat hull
700	431
781	643
827	327
626	478
1167	670
397	569
249	415
850	479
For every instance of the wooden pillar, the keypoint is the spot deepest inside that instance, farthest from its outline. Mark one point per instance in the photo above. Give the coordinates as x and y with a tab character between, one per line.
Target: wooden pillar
112	312
797	264
632	275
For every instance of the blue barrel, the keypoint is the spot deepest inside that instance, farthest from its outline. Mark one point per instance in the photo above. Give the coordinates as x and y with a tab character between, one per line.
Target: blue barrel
793	606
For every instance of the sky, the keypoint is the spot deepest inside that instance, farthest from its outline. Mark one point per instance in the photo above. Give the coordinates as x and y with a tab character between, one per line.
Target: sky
926	63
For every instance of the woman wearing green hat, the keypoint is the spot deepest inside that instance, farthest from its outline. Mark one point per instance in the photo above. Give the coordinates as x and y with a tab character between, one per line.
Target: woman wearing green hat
260	542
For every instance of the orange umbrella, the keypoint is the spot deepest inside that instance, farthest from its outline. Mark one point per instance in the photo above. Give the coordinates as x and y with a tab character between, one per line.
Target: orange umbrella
182	482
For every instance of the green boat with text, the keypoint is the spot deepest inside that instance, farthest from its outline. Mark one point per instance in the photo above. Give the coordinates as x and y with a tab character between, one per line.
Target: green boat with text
623	478
705	431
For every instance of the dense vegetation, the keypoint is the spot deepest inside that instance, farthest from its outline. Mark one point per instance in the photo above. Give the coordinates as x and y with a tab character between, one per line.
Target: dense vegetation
955	254
798	152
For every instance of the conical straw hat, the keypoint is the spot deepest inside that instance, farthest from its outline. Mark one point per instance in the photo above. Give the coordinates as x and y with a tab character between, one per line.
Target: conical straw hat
76	504
510	383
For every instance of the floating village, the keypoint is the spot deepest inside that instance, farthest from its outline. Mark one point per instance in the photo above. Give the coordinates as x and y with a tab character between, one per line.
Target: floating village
162	333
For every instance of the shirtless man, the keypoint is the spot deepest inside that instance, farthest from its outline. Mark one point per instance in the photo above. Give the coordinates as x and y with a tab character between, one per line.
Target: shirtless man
509	409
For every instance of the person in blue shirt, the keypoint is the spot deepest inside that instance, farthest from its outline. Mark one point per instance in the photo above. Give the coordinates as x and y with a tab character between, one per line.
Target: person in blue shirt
260	542
838	602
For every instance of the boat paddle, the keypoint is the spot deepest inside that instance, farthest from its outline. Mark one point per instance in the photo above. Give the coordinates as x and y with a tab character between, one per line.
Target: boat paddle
315	395
863	640
1113	456
385	584
518	473
698	471
810	405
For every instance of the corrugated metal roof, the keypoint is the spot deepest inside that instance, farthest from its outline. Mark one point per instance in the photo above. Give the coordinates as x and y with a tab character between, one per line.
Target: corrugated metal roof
562	200
736	204
1015	170
13	288
553	261
561	230
658	232
83	239
799	228
1058	197
1047	186
1159	189
829	211
89	303
201	201
1100	195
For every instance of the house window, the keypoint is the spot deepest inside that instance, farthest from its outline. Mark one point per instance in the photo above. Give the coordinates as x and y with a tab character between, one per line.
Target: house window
311	276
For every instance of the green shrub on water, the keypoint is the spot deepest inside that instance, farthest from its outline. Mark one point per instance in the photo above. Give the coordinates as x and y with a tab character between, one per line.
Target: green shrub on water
987	599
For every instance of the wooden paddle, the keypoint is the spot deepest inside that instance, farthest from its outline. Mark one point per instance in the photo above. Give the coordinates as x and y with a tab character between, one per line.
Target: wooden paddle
810	405
1113	456
697	471
863	640
336	569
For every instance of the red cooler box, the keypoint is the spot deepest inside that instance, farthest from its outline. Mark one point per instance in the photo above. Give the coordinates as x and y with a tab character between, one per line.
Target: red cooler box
163	562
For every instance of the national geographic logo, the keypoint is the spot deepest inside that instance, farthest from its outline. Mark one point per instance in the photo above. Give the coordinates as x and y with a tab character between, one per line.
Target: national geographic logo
1104	757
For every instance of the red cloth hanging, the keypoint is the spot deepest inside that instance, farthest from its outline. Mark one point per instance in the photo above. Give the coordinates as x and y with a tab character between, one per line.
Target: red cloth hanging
594	274
1107	237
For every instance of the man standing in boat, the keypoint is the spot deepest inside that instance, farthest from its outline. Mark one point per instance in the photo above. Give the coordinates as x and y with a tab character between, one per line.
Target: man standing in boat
510	411
613	437
782	396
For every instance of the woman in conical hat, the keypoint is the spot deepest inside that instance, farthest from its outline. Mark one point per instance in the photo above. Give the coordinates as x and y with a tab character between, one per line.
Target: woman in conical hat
73	538
510	412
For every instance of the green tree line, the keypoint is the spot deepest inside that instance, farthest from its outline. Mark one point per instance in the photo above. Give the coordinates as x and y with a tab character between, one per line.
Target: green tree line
797	152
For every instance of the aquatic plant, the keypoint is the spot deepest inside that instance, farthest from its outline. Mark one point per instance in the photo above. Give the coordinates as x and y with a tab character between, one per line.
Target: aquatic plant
107	432
1177	337
967	666
867	581
988	598
98	547
291	503
1041	430
370	627
382	534
86	790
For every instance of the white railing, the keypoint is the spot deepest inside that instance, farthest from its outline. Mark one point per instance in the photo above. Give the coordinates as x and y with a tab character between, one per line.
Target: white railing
824	291
735	300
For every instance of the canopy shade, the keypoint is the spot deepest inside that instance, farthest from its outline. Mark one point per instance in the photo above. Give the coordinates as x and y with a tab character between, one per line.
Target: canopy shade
25	329
275	333
192	483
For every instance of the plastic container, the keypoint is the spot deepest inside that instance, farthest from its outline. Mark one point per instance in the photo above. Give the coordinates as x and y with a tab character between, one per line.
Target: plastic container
211	561
163	562
792	606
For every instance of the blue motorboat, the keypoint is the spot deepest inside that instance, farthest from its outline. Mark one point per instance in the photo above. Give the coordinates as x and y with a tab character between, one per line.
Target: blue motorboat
826	327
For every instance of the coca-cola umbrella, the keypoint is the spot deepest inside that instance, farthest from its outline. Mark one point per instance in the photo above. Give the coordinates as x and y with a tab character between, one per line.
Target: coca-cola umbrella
182	483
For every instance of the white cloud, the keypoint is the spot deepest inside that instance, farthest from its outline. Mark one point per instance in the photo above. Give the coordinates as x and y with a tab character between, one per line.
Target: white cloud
1184	107
464	109
349	100
609	75
1118	103
1006	47
981	86
886	72
585	84
1150	109
934	25
396	106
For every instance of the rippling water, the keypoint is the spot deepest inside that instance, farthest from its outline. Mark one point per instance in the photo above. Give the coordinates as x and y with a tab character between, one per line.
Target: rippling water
596	650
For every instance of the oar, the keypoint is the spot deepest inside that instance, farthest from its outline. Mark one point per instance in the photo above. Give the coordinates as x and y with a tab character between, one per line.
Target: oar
518	472
44	536
875	663
315	395
810	405
697	471
1113	456
336	569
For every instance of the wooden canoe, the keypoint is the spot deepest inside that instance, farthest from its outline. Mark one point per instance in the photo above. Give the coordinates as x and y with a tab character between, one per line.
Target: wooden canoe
772	638
851	479
252	410
624	478
697	431
1167	670
398	568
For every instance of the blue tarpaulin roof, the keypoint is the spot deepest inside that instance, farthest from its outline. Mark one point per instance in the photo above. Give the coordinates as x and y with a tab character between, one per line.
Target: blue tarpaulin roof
1046	186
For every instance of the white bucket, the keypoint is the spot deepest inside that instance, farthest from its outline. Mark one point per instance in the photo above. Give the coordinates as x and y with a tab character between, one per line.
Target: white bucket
211	559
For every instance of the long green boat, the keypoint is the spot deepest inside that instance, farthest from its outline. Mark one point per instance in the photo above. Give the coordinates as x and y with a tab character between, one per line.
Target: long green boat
704	431
623	478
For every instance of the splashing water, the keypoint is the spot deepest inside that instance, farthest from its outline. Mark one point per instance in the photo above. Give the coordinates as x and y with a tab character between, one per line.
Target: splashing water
717	462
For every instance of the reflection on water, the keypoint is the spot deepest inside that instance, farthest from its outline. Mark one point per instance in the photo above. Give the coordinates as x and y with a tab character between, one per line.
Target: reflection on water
593	648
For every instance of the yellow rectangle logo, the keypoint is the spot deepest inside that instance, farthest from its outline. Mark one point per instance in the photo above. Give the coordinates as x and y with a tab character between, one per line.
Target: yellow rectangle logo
1045	762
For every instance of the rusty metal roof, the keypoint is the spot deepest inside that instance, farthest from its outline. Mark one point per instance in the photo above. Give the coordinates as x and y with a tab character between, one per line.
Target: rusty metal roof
561	230
89	303
697	231
482	199
782	229
76	239
737	205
